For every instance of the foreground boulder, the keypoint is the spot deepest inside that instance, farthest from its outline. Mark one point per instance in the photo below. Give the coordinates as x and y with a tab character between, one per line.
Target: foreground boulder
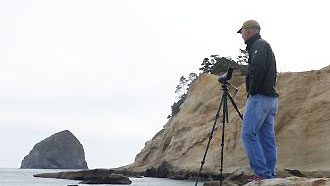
95	176
59	151
284	178
292	181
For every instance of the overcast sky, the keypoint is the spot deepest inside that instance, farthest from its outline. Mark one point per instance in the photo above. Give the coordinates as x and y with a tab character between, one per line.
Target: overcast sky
107	70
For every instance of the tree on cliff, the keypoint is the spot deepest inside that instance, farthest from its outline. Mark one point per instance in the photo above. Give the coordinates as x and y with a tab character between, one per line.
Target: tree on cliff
221	64
206	66
181	96
181	87
242	60
213	65
243	57
218	65
176	105
181	91
191	78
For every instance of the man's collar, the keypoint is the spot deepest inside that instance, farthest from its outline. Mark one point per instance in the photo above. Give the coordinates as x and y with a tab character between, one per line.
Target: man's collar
249	42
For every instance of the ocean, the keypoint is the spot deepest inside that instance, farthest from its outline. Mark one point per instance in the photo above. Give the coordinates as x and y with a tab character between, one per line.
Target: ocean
24	177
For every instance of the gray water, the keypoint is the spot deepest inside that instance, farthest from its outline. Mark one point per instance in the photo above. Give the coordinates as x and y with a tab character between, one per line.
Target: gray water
24	177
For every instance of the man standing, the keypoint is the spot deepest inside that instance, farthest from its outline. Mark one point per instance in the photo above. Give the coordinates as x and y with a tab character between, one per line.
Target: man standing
258	134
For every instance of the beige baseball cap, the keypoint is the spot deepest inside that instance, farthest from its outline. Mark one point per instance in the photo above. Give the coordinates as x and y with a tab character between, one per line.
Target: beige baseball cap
249	24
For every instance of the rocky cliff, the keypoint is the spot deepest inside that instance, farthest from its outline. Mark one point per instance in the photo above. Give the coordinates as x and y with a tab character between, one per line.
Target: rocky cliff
302	126
59	151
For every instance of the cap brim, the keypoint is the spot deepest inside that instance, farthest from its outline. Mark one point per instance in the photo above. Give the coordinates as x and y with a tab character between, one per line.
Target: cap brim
239	31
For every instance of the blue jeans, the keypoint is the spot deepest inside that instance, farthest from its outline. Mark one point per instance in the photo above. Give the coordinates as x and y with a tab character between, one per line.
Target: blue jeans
258	134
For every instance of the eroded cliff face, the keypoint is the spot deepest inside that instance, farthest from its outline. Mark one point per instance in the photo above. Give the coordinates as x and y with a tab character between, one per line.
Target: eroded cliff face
302	126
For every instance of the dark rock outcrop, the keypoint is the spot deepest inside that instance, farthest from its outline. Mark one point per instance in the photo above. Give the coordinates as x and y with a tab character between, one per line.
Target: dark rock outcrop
167	170
111	179
95	176
162	171
59	151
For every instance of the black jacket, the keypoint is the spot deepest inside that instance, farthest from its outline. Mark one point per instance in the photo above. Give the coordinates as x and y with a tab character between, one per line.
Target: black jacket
261	76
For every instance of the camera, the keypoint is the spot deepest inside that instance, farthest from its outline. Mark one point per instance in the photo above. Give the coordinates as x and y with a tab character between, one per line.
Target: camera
227	76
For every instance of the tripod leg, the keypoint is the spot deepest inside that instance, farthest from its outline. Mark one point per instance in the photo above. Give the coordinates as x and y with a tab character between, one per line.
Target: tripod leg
224	120
235	105
210	138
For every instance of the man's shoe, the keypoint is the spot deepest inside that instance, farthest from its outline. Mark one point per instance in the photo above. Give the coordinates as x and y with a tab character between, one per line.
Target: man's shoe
255	178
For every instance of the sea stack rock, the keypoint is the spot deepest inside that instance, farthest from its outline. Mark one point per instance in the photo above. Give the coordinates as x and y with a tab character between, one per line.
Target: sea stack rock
59	151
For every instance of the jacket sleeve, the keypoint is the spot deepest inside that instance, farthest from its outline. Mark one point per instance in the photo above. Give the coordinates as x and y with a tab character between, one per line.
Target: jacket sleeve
257	66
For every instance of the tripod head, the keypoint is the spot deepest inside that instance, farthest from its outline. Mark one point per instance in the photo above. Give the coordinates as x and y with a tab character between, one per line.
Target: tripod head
223	79
227	76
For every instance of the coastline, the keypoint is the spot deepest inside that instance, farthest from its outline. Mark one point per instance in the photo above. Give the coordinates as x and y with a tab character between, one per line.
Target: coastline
24	177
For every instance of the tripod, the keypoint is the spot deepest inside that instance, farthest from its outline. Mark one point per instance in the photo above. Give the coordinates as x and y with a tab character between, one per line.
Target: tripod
224	106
